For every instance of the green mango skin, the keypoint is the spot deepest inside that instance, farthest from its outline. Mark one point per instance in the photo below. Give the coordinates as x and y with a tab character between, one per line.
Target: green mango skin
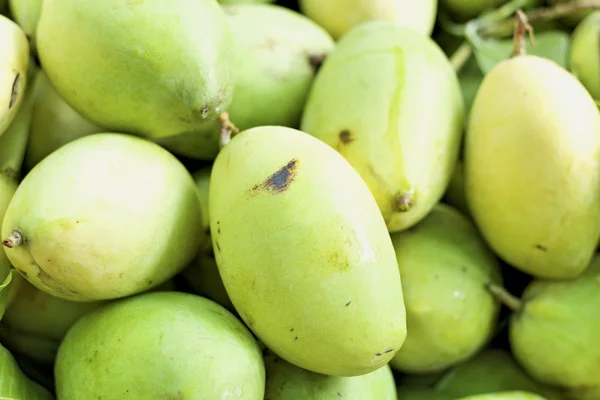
276	50
464	10
371	101
341	16
164	345
285	381
320	285
126	219
171	77
54	123
35	323
553	335
445	267
421	393
14	384
532	167
505	396
492	370
584	56
8	187
455	194
26	13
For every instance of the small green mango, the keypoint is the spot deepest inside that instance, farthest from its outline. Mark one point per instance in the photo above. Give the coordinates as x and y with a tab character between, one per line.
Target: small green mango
320	285
464	10
584	56
341	16
370	101
159	68
285	381
492	370
422	393
277	53
445	266
14	384
125	219
164	345
26	13
8	187
532	167
505	396
54	123
553	333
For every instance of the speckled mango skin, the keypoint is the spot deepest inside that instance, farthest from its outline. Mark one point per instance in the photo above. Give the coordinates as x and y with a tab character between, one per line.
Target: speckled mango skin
388	100
105	216
158	69
164	345
532	167
319	285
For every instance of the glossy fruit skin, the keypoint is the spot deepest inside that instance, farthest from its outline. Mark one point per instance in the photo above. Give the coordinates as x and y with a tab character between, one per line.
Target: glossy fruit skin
445	266
341	16
584	54
160	345
126	219
532	167
320	285
172	76
371	101
548	336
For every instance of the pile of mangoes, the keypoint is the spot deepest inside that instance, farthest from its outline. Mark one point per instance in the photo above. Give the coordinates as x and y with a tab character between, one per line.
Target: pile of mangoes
299	200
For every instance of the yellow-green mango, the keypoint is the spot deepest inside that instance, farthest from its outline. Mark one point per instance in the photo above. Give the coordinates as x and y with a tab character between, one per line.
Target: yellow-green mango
14	384
553	334
515	395
532	167
277	53
304	253
450	315
26	13
14	65
164	345
584	56
53	123
159	68
492	370
464	10
286	381
105	216
8	187
374	99
341	16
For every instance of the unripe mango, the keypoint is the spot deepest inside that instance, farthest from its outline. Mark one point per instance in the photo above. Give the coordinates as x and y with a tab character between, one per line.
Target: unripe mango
14	384
373	101
584	54
532	167
27	14
319	285
464	10
341	16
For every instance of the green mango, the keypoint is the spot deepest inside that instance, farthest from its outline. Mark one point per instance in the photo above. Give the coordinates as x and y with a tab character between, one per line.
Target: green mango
371	101
455	194
319	285
470	78
14	384
26	13
584	56
53	123
341	16
532	167
445	266
553	332
8	187
505	396
165	345
492	370
277	53
421	393
35	322
14	66
159	68
464	10
419	380
286	381
125	219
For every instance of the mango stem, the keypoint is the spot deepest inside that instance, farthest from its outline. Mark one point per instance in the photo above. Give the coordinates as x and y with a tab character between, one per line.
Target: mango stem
521	28
227	129
15	239
403	202
502	295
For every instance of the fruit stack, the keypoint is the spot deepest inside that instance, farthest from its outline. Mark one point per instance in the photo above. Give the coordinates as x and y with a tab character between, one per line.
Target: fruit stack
312	200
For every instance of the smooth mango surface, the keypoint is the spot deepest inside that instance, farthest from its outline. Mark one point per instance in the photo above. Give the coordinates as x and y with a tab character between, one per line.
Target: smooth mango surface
320	285
372	101
532	167
584	56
